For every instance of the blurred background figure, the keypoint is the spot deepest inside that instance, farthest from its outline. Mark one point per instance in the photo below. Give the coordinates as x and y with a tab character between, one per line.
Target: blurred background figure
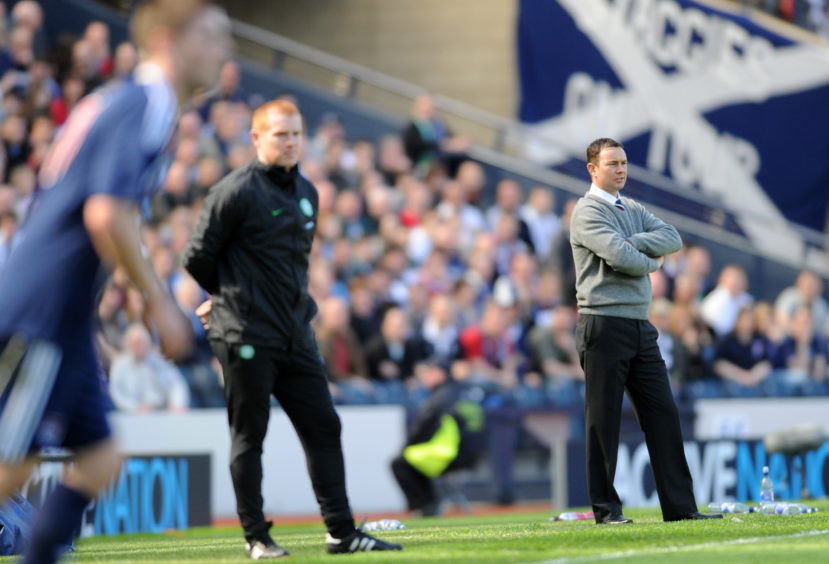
429	141
446	435
720	308
141	380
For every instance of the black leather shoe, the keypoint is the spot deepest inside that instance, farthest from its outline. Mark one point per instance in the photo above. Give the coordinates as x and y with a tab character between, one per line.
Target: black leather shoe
697	515
618	519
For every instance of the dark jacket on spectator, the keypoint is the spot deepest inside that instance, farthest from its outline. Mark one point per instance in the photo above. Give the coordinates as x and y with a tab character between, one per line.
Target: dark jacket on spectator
378	352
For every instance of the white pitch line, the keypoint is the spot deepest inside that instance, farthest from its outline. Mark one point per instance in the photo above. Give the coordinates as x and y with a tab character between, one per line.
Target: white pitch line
675	549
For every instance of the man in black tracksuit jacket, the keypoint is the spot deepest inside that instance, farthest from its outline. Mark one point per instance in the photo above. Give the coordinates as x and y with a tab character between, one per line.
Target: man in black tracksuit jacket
250	251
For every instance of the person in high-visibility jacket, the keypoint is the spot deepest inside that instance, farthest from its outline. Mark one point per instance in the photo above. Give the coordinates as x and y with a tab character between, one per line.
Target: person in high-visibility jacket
447	434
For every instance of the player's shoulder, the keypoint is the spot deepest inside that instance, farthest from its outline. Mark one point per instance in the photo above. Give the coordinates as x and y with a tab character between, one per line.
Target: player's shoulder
121	99
148	104
148	113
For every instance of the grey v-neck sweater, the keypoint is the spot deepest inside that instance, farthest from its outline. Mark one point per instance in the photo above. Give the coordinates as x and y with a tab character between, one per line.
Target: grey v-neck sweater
612	251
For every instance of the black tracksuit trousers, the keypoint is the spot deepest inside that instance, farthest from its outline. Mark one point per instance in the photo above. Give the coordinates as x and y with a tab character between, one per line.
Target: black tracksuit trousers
297	380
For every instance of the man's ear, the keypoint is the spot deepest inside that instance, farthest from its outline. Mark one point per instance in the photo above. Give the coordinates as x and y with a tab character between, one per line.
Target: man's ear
591	169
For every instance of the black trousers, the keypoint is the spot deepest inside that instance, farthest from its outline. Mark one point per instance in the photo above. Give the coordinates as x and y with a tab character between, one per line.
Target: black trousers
418	488
296	379
618	355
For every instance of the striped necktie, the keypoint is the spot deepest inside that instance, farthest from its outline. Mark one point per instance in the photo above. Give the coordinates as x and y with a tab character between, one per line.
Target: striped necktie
619	203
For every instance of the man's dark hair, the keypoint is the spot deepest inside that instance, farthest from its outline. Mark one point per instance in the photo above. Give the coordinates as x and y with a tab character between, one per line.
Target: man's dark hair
598	145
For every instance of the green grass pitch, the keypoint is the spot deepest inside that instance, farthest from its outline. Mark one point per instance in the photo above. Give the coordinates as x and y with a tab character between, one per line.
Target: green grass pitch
508	538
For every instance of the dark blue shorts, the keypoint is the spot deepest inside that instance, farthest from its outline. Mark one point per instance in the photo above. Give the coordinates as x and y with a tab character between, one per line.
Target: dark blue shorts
76	402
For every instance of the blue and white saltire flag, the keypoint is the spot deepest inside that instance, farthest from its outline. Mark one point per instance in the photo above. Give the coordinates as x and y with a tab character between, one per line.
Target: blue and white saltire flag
736	107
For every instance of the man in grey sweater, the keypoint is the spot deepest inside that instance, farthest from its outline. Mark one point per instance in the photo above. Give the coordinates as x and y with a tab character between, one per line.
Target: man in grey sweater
616	244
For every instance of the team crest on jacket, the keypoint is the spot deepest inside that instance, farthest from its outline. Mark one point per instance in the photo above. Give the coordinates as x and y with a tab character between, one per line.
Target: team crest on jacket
306	207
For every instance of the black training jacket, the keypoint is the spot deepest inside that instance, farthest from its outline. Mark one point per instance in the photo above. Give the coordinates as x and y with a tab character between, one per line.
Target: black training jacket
250	251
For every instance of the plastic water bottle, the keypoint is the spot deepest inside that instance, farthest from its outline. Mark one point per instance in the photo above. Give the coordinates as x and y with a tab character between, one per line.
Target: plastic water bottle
766	487
727	507
780	508
573	516
383	525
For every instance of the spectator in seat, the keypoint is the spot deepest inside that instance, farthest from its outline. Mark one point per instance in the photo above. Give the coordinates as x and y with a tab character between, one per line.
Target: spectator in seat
364	314
802	355
440	329
720	308
741	358
9	228
392	161
229	89
472	179
554	359
488	348
509	197
125	60
199	371
343	356
541	220
391	356
428	139
141	380
806	291
671	348
698	263
560	257
96	37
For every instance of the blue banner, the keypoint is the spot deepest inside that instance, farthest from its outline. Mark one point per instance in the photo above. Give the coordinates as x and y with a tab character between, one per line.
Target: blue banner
724	470
723	104
151	494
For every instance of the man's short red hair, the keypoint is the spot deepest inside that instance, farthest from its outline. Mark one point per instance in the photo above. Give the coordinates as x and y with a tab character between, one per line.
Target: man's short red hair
260	115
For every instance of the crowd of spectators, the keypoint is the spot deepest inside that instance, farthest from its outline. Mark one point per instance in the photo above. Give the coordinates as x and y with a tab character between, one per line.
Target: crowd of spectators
412	258
808	14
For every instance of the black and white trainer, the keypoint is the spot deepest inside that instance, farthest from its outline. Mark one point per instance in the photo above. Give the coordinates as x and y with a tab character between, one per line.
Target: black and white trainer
358	541
263	549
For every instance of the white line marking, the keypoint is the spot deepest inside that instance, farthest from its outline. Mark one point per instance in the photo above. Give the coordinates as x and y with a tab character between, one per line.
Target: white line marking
676	549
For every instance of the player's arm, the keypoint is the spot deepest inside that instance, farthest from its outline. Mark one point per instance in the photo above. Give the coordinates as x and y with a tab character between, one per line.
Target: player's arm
112	224
590	229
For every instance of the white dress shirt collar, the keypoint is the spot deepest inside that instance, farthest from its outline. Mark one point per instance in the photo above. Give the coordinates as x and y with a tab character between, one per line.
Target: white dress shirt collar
606	196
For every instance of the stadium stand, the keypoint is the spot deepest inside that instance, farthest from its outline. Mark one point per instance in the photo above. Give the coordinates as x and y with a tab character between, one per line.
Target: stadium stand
395	236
